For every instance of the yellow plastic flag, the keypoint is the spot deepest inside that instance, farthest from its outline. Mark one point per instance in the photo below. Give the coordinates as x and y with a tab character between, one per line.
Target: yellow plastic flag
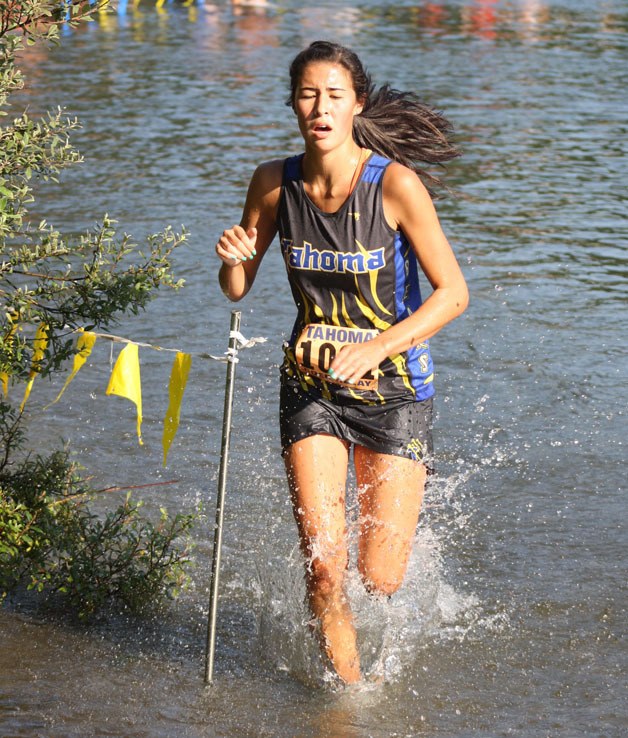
8	339
84	347
39	347
176	388
125	381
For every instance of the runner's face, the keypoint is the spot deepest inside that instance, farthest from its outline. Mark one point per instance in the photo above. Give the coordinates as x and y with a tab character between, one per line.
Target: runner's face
325	103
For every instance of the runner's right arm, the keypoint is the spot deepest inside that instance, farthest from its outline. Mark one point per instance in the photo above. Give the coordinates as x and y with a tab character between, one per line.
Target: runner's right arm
242	248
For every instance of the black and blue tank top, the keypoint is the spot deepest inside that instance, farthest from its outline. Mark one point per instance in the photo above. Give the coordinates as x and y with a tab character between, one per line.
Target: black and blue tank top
350	269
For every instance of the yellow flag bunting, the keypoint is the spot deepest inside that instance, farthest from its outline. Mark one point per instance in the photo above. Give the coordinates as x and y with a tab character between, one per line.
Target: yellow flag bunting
125	381
125	377
4	377
84	346
39	347
176	388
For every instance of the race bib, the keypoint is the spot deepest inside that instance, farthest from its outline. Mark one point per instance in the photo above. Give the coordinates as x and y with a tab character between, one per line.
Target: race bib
318	345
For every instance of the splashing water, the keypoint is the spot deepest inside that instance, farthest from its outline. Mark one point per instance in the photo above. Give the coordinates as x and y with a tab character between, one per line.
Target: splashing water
390	631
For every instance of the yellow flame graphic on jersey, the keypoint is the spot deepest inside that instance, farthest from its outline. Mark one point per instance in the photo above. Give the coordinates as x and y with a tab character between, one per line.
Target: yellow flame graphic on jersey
372	309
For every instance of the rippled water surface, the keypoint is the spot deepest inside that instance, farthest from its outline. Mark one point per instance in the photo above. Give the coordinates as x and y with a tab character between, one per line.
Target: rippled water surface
513	617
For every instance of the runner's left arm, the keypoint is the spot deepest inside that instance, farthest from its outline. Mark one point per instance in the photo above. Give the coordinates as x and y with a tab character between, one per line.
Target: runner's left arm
408	206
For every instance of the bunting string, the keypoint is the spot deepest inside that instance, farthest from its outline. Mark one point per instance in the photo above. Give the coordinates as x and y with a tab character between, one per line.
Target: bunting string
242	341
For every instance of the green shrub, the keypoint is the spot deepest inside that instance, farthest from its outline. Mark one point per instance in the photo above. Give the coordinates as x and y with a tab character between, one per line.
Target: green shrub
50	539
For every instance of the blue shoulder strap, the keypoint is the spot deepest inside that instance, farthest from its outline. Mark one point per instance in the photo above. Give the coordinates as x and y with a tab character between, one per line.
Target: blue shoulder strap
374	168
292	168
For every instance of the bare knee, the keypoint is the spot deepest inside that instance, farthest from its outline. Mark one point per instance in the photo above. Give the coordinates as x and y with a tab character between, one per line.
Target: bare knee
325	577
383	557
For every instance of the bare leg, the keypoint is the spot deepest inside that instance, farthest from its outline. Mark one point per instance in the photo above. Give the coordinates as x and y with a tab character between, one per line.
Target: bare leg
390	493
317	475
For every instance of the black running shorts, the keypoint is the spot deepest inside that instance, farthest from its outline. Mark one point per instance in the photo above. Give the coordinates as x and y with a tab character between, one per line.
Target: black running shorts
398	427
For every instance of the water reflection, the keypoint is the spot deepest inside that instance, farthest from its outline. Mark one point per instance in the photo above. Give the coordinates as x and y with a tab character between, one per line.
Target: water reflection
341	718
531	21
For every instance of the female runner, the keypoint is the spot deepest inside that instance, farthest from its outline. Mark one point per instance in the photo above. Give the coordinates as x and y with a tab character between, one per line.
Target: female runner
354	220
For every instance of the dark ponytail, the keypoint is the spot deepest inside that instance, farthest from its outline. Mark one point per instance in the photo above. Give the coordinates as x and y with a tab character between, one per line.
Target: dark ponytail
395	124
399	126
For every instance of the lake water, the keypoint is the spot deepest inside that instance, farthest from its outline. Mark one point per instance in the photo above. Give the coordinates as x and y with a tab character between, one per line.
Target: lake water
513	617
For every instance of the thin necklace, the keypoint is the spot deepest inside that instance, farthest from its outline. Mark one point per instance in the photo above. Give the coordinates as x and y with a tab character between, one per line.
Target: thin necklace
364	153
354	179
